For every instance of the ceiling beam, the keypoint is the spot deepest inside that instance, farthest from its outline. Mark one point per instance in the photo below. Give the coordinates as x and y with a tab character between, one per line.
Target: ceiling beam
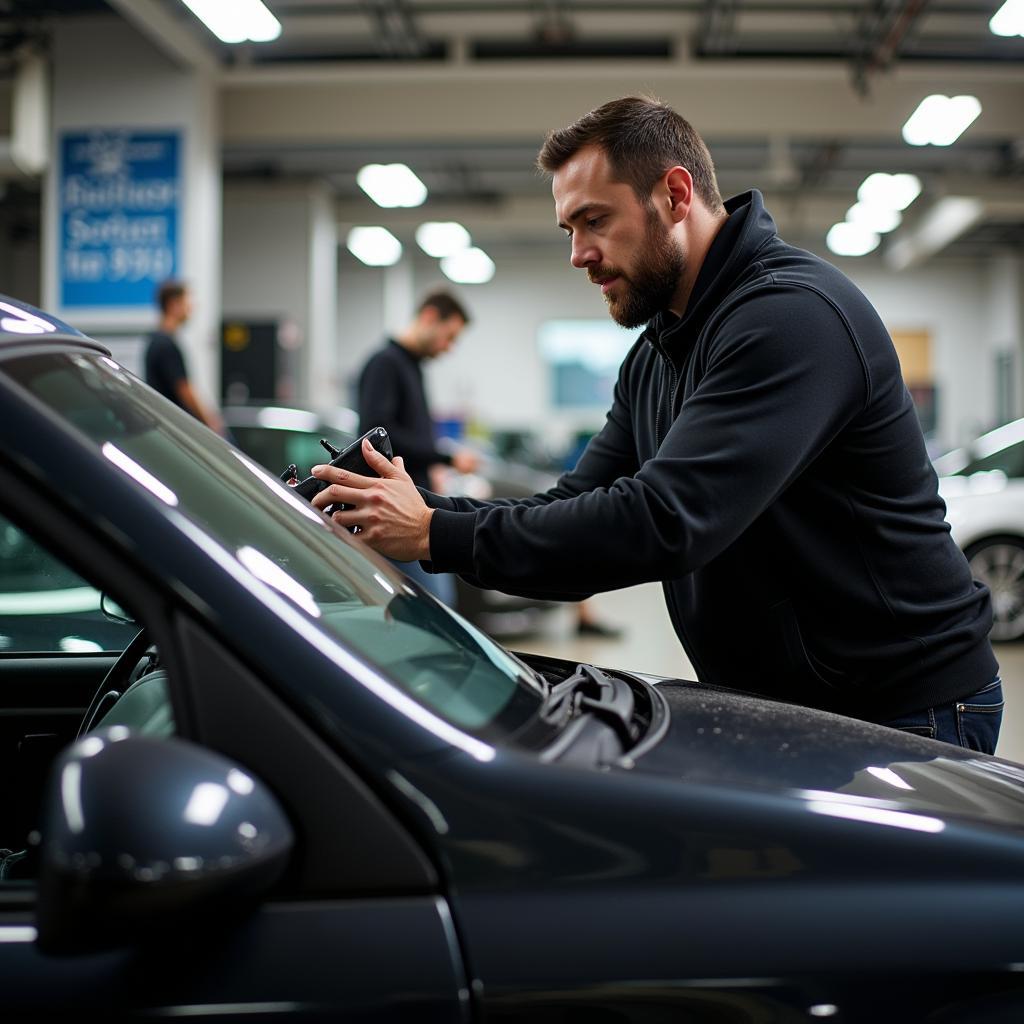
945	221
524	103
167	33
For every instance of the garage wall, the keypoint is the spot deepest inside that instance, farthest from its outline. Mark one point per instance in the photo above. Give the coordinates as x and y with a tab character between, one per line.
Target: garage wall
948	301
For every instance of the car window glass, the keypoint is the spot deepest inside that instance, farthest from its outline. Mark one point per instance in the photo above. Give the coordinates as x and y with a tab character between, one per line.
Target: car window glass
45	607
276	448
63	686
420	645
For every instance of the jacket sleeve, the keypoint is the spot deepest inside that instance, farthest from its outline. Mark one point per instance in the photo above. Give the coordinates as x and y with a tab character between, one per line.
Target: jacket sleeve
782	375
380	394
611	453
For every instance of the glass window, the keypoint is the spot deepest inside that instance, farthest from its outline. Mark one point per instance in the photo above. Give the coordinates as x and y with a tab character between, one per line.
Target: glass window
425	649
584	357
52	627
275	449
47	608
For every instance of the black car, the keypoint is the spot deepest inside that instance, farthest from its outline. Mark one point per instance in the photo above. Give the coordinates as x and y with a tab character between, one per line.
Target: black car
307	790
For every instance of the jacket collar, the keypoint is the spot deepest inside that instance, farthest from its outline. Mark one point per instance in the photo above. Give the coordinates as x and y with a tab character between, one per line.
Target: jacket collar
748	227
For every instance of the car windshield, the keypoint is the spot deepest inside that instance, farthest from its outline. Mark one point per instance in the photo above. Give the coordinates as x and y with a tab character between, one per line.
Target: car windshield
429	651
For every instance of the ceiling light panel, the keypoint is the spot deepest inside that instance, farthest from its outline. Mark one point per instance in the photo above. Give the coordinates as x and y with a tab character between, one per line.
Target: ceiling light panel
847	239
470	266
392	185
941	120
442	238
1009	19
374	246
237	21
894	191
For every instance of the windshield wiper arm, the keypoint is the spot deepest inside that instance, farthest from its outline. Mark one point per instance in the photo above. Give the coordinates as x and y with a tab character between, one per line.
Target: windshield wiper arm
589	689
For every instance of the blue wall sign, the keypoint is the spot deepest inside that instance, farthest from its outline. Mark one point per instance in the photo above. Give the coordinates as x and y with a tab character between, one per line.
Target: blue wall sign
119	210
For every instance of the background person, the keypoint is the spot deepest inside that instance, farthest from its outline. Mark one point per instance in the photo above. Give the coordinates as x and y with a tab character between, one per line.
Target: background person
762	457
392	395
164	361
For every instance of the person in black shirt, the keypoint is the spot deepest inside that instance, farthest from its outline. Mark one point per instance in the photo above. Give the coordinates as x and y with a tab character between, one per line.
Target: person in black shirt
392	395
762	458
164	362
391	392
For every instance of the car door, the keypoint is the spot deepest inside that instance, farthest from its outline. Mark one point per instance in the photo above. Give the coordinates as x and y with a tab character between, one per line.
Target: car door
56	645
357	929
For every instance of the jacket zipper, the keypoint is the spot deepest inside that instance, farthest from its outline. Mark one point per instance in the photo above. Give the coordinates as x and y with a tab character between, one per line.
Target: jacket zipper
673	385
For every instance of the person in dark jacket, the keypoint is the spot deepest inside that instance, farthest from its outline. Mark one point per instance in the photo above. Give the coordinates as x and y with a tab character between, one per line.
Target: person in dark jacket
761	459
391	392
392	395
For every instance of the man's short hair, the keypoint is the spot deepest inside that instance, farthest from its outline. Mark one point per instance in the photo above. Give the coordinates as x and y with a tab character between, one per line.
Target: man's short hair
168	292
643	138
446	305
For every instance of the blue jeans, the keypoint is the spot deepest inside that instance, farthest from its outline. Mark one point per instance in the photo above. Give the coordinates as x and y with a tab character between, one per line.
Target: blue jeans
971	722
441	585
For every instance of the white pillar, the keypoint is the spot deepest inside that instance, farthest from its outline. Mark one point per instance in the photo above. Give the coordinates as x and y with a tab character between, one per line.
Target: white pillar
1005	327
399	296
280	262
323	300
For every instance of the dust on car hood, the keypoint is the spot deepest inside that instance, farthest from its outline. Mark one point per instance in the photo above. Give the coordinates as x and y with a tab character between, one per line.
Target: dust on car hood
722	737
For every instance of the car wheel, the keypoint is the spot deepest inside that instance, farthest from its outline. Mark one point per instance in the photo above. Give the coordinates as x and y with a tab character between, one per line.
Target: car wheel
999	563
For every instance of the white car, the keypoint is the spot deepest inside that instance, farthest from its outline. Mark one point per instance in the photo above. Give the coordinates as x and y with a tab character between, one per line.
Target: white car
983	487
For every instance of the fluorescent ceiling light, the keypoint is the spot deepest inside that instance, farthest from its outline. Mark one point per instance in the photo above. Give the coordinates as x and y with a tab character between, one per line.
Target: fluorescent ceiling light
940	120
1009	19
470	266
895	191
375	246
237	21
873	217
847	239
391	185
442	238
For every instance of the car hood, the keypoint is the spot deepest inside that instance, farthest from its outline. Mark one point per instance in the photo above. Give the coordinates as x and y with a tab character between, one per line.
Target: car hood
726	738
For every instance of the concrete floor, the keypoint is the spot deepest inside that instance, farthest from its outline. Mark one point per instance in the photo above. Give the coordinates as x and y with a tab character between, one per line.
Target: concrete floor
648	644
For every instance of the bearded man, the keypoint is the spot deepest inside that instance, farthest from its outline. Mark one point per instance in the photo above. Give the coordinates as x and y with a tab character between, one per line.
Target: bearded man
762	458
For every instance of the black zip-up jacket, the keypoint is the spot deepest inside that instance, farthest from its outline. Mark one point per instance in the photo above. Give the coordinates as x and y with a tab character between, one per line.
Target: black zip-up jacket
763	459
391	395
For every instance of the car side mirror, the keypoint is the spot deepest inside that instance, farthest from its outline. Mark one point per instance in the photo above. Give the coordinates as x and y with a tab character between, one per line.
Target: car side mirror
143	834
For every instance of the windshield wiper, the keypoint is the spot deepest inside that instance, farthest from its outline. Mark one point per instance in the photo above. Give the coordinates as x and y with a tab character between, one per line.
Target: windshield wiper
589	689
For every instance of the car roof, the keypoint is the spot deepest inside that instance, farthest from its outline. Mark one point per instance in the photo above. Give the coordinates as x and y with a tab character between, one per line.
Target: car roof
21	324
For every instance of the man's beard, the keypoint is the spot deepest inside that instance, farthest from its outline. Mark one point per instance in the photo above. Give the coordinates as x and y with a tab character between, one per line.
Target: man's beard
653	281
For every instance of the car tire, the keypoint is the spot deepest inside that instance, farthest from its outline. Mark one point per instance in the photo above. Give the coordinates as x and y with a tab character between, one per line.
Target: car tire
998	562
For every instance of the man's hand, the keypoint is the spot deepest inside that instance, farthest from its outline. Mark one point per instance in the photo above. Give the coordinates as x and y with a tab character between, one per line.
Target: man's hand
392	517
